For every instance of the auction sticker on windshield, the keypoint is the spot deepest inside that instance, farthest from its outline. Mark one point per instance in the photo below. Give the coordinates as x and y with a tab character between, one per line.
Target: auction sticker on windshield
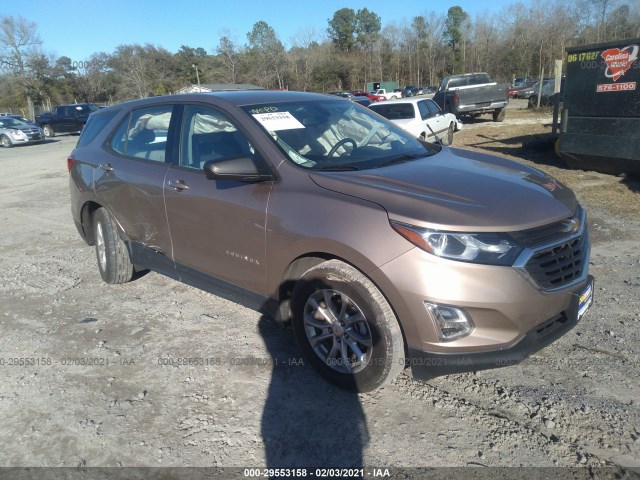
276	121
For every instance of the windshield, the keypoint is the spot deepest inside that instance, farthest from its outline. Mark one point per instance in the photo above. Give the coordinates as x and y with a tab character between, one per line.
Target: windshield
11	123
336	134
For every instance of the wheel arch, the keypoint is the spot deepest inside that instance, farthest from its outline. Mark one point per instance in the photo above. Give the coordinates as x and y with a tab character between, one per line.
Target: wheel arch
305	262
87	222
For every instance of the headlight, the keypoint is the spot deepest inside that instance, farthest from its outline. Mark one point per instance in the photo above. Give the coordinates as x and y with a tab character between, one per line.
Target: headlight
17	134
484	248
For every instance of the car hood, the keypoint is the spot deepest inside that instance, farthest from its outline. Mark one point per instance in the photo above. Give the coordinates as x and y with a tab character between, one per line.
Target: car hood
459	190
24	128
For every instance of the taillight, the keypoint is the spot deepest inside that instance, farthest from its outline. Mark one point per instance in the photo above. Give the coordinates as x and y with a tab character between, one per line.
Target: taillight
70	162
456	100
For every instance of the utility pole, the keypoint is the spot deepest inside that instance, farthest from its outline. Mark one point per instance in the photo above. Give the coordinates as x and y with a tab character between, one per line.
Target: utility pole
197	76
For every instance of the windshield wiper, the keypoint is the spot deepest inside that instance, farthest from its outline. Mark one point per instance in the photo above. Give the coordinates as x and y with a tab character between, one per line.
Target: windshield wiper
337	167
403	158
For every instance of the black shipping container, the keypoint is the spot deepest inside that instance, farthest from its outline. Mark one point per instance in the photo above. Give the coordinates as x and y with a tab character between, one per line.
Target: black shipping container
601	129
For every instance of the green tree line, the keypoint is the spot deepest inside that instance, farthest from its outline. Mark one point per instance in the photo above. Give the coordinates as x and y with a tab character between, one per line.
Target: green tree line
353	48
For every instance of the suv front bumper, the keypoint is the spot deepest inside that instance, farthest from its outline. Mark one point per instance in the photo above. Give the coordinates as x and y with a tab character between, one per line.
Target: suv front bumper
426	365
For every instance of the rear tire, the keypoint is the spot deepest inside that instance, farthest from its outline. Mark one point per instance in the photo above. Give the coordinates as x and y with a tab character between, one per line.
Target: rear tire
346	328
498	115
112	254
5	141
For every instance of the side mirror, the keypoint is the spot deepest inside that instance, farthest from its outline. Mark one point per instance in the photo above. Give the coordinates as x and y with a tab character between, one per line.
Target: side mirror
239	169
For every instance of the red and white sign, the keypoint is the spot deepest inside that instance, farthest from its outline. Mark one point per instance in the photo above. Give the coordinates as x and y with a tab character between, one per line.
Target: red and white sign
619	61
616	87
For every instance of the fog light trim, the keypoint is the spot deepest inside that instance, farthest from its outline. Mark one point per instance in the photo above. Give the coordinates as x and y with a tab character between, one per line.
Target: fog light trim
451	323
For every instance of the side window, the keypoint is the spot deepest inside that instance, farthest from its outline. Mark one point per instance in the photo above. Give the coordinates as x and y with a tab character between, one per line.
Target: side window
94	126
480	78
424	111
208	134
433	107
457	82
143	133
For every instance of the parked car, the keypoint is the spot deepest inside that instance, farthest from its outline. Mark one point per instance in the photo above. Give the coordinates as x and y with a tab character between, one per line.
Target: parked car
341	94
407	91
21	118
381	92
546	98
370	95
364	101
421	117
472	94
382	251
526	92
65	118
524	88
411	91
15	132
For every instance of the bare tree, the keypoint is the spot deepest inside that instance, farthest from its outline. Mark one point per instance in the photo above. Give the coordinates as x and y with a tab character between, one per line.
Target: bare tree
229	55
19	40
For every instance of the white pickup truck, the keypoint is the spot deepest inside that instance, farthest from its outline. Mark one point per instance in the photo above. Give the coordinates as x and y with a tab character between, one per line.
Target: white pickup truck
387	95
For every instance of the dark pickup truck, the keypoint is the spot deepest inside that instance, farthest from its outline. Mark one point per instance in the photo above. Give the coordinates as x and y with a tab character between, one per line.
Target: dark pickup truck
472	94
65	118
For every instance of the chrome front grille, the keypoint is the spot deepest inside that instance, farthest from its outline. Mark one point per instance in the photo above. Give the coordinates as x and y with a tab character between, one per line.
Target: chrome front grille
560	265
33	134
555	256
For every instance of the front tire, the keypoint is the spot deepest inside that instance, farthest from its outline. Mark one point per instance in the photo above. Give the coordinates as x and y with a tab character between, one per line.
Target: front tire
112	254
48	131
5	141
346	328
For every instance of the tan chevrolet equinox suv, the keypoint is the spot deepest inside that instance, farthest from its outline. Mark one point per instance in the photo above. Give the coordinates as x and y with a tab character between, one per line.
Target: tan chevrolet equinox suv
383	252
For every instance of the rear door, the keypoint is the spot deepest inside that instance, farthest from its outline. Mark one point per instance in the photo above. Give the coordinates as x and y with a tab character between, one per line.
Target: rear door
217	226
129	180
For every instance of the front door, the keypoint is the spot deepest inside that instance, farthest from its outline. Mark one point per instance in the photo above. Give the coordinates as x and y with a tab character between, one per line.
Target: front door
217	226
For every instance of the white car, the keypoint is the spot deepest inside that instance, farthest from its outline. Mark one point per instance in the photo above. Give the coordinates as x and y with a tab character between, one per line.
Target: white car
421	117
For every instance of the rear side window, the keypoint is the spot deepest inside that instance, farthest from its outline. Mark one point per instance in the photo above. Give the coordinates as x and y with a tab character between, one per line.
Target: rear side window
143	133
94	126
479	79
433	107
394	111
458	82
424	111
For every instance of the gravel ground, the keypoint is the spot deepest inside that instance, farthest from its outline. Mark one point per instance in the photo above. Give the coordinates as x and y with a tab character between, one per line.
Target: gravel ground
101	383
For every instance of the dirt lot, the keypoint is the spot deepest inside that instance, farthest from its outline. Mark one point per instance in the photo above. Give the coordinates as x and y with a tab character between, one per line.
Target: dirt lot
101	381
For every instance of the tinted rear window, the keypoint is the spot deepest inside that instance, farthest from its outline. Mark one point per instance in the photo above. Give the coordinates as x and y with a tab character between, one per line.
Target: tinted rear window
458	82
94	126
394	111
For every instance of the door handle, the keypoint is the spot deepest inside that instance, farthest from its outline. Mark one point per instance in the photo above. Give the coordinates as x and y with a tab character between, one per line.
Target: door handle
178	185
106	167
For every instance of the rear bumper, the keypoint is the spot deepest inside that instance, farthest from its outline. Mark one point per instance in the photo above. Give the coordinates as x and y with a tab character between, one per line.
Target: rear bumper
427	365
482	108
